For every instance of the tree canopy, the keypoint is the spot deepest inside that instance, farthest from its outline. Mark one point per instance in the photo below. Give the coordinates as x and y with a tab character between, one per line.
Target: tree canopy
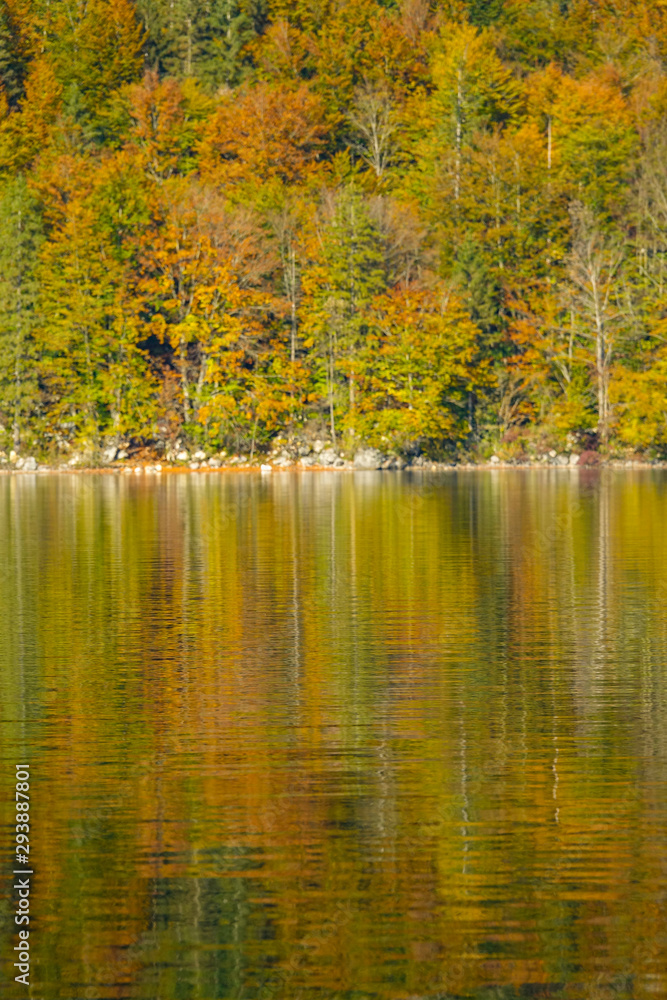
433	224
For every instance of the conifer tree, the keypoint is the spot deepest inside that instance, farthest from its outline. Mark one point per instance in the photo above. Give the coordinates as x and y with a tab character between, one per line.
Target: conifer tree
204	39
342	287
14	50
96	48
20	237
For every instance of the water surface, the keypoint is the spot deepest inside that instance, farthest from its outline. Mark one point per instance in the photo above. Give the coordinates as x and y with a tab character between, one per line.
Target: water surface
317	736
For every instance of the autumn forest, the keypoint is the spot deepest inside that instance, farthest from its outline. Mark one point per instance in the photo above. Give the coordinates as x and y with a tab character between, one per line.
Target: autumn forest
425	226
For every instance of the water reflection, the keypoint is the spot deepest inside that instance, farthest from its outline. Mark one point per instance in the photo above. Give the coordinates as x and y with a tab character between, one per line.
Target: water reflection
329	735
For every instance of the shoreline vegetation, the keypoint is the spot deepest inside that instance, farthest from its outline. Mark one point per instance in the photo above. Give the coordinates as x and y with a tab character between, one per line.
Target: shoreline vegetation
434	228
316	459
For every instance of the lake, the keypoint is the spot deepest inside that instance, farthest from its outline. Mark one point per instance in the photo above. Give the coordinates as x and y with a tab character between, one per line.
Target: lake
338	735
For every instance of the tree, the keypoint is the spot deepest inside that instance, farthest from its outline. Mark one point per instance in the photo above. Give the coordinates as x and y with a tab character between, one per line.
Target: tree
639	398
374	120
265	133
96	48
93	367
340	288
26	131
203	39
16	24
160	134
416	370
594	273
594	140
196	283
20	238
472	90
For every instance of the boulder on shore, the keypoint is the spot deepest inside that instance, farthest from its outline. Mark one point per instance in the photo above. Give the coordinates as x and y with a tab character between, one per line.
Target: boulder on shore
368	458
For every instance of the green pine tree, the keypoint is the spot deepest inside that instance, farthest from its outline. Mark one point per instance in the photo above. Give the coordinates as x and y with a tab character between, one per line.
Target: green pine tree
201	38
354	272
13	57
482	293
481	290
20	236
485	12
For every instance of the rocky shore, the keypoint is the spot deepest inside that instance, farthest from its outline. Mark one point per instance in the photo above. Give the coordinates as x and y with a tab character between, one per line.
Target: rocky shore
318	456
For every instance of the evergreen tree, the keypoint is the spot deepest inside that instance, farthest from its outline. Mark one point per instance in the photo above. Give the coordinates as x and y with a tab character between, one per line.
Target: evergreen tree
351	273
484	12
14	54
96	48
201	38
482	293
20	236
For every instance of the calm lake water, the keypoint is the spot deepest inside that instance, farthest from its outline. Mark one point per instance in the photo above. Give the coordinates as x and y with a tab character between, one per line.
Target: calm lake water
354	736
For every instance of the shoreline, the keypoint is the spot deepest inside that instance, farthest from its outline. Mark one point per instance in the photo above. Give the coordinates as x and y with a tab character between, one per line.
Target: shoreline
159	469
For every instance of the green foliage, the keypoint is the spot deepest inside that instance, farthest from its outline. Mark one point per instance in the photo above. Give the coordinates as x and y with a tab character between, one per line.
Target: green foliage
20	238
481	289
14	55
484	12
231	215
340	291
96	48
201	38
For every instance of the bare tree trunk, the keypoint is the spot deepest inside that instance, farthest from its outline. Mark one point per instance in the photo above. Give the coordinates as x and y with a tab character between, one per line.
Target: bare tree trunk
594	271
375	122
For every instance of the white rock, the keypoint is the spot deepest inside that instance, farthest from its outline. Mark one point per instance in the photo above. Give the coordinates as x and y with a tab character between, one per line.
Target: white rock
109	454
139	470
317	447
30	464
494	459
194	466
182	456
328	456
12	456
368	458
574	459
19	463
265	468
121	455
199	456
157	468
214	463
